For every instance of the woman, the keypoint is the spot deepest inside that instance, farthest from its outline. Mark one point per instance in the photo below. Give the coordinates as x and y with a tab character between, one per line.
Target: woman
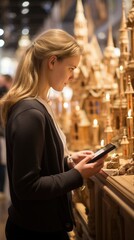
5	83
41	176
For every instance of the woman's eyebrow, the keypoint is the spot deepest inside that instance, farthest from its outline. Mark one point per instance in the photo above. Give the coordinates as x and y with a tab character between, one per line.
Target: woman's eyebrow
72	66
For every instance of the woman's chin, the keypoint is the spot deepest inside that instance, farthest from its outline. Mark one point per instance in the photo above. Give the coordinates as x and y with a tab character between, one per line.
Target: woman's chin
59	89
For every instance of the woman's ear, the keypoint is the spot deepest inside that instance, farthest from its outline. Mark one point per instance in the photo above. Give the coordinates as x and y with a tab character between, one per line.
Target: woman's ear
51	61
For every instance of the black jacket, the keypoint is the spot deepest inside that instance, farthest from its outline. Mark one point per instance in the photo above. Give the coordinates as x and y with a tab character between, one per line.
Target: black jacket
40	181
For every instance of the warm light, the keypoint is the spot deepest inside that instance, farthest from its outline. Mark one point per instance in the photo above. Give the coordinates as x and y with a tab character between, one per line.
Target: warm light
95	133
67	93
129	113
53	94
95	123
8	65
102	143
77	108
121	68
117	52
107	97
65	105
114	155
24	41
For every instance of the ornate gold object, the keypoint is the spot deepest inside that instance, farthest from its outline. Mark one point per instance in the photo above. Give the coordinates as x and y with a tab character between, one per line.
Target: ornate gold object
103	90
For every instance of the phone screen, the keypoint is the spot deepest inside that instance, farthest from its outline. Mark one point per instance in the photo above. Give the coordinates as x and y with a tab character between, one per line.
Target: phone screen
102	152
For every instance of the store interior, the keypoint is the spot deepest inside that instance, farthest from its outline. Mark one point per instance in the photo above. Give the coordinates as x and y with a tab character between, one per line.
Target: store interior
98	106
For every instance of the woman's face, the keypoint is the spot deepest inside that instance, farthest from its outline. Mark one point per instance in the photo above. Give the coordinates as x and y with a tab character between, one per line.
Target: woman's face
61	71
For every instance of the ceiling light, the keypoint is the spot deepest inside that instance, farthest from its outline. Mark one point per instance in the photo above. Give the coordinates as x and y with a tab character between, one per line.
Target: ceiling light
2	42
25	4
1	31
25	31
25	11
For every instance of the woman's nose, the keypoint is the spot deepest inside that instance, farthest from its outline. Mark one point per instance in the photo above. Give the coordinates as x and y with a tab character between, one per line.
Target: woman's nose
71	77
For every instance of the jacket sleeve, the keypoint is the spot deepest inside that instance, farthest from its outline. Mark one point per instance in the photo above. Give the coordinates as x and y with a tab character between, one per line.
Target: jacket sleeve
27	143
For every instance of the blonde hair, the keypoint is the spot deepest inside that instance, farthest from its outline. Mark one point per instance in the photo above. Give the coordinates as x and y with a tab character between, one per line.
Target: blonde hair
52	42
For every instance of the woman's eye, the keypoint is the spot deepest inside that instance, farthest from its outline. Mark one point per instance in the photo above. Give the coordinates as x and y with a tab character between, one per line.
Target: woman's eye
71	69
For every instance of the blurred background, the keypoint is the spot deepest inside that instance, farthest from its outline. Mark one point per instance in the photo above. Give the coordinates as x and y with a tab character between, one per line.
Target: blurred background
21	21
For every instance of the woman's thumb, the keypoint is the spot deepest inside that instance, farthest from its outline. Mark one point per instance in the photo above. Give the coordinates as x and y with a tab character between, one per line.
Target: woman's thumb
88	158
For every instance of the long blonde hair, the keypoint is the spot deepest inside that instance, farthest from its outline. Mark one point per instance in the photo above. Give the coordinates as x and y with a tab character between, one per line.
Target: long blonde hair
51	42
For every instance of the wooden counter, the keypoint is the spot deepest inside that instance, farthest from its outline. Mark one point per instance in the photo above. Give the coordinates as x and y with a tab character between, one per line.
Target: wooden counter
104	210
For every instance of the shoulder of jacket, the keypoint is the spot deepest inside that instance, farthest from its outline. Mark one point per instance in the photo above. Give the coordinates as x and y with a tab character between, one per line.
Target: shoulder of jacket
25	105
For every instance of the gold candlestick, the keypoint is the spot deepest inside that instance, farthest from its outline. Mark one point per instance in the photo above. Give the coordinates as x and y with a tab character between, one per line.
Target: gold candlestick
125	147
121	93
129	124
102	143
108	131
95	132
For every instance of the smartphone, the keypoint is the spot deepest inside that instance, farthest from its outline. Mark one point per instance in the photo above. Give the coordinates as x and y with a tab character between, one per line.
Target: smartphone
102	152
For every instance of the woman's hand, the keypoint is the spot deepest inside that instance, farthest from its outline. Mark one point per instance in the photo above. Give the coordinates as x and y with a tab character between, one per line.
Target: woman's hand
88	169
78	156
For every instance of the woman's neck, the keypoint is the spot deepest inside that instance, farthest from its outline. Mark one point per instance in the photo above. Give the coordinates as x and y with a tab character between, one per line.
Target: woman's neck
44	93
44	96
